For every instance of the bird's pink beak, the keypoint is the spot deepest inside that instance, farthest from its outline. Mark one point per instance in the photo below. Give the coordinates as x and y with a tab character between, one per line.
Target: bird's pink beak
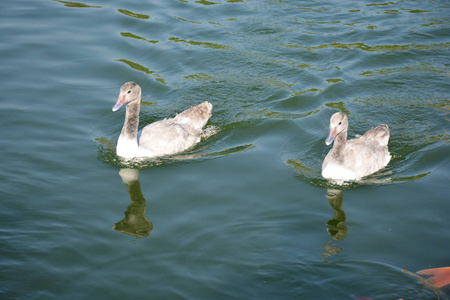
119	103
331	136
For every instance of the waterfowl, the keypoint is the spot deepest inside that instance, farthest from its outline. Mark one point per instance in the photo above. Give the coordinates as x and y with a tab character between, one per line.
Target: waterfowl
356	158
164	137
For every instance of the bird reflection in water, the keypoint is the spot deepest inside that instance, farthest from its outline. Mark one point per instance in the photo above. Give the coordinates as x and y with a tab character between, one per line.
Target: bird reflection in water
135	223
336	227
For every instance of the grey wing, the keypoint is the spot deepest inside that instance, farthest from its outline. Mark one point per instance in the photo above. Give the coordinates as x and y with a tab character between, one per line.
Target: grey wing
196	116
167	137
378	136
364	160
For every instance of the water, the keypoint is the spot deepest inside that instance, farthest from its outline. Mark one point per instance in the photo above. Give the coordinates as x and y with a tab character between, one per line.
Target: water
245	214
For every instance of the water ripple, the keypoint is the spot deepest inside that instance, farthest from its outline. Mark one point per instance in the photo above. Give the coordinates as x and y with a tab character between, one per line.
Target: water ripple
76	4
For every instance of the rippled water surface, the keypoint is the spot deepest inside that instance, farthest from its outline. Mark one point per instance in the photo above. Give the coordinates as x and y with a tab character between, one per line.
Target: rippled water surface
244	214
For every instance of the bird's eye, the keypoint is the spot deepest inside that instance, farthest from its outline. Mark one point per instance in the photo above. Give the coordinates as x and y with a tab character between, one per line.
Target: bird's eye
129	91
338	124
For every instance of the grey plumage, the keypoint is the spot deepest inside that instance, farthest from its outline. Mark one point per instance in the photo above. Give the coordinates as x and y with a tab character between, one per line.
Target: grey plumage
164	137
356	158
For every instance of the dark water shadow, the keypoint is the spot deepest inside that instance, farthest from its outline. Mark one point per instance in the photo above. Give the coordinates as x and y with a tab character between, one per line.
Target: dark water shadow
77	4
338	230
135	222
336	227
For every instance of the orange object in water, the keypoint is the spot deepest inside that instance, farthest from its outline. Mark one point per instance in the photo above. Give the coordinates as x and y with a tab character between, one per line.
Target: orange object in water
439	276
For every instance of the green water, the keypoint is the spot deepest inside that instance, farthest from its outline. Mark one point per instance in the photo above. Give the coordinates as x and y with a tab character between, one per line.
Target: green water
245	214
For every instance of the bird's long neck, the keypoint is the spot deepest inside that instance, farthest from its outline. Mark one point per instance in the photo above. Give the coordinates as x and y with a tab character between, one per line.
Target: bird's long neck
130	126
339	145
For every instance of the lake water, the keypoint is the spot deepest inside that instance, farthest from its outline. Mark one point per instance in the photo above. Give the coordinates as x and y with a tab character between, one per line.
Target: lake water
245	214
